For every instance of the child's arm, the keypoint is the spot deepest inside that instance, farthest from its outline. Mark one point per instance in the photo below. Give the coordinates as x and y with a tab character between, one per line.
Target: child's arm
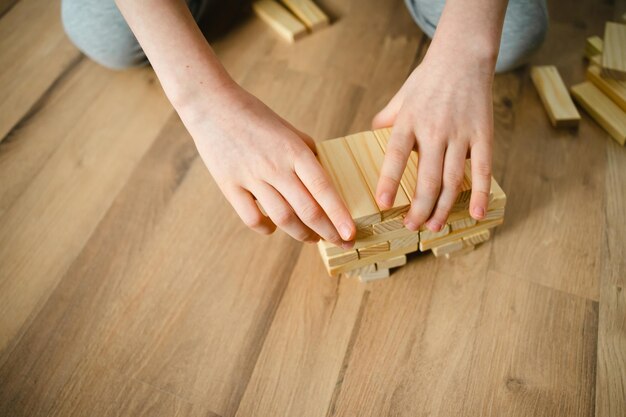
251	152
445	110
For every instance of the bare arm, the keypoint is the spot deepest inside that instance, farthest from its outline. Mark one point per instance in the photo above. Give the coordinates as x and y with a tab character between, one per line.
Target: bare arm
445	110
252	153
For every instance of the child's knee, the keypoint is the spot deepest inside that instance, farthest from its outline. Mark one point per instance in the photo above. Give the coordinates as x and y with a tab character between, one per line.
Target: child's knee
98	29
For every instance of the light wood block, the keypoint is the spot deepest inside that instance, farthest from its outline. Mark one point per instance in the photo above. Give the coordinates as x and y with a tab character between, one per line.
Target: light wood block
614	51
279	19
427	235
429	244
467	249
593	46
343	258
494	214
373	250
449	247
387	226
373	276
333	270
596	60
477	238
413	239
369	157
367	269
497	197
462	223
408	182
308	12
603	110
615	89
336	158
556	100
329	249
392	262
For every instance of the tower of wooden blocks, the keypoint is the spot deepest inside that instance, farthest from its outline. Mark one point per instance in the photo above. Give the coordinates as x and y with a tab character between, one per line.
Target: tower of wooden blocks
353	164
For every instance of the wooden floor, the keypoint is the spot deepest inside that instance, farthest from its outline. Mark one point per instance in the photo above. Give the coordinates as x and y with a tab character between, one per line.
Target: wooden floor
129	287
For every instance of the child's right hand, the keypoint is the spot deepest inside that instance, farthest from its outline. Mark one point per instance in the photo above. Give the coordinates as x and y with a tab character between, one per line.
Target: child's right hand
252	153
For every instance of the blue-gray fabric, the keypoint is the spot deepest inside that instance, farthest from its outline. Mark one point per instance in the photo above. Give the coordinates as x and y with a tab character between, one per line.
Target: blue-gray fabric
98	29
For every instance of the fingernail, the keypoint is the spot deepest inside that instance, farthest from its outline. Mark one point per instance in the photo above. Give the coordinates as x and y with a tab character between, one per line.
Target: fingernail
479	212
347	245
385	199
434	226
411	226
345	231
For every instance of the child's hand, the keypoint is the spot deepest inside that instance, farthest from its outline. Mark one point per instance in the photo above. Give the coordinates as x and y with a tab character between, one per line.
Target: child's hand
444	110
254	154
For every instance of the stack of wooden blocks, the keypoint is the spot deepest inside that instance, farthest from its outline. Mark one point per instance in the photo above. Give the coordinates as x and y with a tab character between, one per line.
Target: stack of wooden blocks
603	95
294	20
353	164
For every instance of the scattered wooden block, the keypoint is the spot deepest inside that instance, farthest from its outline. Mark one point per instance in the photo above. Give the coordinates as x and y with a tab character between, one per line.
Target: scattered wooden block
373	250
369	157
392	262
614	51
465	250
279	19
477	238
307	11
449	247
615	89
593	46
388	225
339	163
373	276
348	256
603	110
403	242
462	223
556	100
427	235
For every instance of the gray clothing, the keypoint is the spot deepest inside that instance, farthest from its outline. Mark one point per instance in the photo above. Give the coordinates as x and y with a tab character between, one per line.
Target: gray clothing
98	29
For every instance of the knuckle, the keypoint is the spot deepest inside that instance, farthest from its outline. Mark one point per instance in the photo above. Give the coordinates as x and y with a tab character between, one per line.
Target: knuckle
284	218
453	179
319	184
482	169
389	180
430	185
312	214
254	221
395	155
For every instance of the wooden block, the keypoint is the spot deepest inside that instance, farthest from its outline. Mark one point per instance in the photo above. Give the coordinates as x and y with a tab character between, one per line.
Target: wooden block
614	51
427	235
429	244
373	249
367	269
449	247
307	11
333	270
329	249
336	158
279	19
349	256
602	109
402	242
593	46
408	182
465	250
388	225
497	197
477	238
556	100
596	60
494	214
373	276
463	223
369	157
615	89
392	262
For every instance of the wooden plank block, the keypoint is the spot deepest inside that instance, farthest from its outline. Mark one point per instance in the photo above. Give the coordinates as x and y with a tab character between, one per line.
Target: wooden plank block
343	258
428	244
614	51
615	89
369	157
373	249
603	110
333	270
392	262
308	12
556	100
428	235
477	238
401	242
329	249
388	225
279	19
466	249
596	60
497	197
593	46
494	214
408	182
373	276
336	158
463	223
448	247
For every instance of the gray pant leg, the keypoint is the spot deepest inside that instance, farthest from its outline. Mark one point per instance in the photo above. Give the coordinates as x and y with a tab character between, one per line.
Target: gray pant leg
525	27
99	30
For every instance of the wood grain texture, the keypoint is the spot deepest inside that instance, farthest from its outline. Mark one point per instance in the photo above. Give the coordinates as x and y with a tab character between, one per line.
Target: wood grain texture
603	110
554	95
593	46
614	89
614	51
309	13
279	19
392	262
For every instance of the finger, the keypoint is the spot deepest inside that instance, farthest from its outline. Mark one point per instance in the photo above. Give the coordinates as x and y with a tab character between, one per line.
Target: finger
322	190
401	142
244	204
308	210
308	140
481	179
282	214
453	174
387	116
429	170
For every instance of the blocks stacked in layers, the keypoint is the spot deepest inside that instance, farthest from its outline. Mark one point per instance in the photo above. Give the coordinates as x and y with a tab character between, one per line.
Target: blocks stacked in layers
353	164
